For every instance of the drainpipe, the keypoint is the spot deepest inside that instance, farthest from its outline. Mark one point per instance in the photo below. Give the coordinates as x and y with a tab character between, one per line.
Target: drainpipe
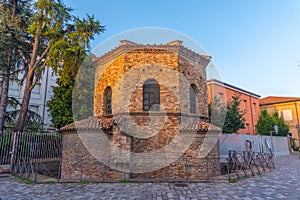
297	119
45	97
252	115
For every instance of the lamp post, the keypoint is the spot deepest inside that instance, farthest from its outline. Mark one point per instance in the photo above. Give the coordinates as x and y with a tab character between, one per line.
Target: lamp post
276	131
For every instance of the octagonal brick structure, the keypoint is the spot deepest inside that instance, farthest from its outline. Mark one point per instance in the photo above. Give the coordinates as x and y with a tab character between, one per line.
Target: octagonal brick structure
126	125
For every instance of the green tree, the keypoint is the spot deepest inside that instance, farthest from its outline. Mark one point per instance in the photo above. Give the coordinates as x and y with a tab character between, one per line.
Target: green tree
75	84
59	39
234	117
83	91
217	113
13	47
34	121
267	121
73	100
60	105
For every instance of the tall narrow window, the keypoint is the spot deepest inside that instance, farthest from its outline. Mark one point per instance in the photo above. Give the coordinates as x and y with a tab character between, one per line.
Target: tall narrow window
151	95
245	106
220	99
107	101
247	128
193	99
254	108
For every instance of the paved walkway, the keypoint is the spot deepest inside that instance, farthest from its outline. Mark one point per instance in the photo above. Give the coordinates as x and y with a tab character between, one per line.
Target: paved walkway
284	183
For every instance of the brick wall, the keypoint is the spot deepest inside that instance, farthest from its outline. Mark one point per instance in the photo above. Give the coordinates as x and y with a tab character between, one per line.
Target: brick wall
79	165
136	132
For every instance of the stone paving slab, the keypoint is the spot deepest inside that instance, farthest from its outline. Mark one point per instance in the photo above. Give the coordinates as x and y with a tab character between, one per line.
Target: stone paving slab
283	183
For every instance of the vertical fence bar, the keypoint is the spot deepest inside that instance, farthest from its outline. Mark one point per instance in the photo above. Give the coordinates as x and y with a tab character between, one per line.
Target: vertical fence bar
13	151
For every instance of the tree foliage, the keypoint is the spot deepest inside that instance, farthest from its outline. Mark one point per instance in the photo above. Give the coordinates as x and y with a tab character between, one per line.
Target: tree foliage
14	44
60	106
217	113
83	92
228	117
234	117
74	51
73	98
267	121
59	40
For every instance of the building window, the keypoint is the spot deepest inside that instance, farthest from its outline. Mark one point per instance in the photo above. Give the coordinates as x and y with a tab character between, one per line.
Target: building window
36	89
13	85
34	109
287	115
151	95
10	108
220	98
245	106
51	92
193	99
107	101
254	110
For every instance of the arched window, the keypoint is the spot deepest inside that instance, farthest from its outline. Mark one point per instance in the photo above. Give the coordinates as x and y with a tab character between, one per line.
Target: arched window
107	101
193	99
151	95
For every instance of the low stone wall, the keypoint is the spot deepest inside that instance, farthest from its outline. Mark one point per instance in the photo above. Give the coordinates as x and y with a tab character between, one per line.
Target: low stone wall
78	164
259	143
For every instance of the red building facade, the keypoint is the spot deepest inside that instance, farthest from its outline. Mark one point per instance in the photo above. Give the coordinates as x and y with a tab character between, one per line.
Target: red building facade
249	102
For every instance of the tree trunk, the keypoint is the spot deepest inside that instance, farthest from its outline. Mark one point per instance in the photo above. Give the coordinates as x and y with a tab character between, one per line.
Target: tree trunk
28	87
24	107
4	98
6	72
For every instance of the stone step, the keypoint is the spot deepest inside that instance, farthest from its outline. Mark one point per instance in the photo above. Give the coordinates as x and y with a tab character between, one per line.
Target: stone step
4	169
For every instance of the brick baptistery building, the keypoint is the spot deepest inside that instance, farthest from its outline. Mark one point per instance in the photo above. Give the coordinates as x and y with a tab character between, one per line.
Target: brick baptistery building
150	118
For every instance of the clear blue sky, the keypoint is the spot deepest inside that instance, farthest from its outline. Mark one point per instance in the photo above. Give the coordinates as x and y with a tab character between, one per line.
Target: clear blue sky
255	44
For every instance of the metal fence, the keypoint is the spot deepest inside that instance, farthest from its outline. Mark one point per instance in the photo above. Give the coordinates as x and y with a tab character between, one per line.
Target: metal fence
32	154
246	164
5	148
38	155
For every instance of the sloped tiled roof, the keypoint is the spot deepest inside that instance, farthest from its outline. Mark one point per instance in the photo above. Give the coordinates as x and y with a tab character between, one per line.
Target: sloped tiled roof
106	123
277	99
200	126
91	123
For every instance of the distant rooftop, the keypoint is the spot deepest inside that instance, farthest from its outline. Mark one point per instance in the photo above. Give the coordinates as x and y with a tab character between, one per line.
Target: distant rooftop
277	99
226	85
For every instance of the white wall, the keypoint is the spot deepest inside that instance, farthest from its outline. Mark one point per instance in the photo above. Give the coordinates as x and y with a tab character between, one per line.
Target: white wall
40	95
238	142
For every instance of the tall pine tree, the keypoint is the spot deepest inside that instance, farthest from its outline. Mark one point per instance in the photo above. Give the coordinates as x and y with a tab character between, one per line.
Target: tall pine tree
58	38
14	44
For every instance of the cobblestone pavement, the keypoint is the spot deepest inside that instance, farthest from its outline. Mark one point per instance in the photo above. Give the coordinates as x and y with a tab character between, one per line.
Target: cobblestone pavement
283	183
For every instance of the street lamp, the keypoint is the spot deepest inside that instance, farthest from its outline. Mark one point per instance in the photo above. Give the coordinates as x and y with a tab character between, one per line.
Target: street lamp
276	131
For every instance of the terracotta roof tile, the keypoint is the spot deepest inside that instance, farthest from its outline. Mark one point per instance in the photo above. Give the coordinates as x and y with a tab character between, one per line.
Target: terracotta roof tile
277	99
200	126
91	123
106	123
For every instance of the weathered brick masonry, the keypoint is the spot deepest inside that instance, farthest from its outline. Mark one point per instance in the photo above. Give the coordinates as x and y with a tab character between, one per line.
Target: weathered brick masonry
130	131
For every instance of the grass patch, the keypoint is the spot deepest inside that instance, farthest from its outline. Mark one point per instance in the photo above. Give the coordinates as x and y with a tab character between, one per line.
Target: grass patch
49	182
86	182
234	180
125	181
25	180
